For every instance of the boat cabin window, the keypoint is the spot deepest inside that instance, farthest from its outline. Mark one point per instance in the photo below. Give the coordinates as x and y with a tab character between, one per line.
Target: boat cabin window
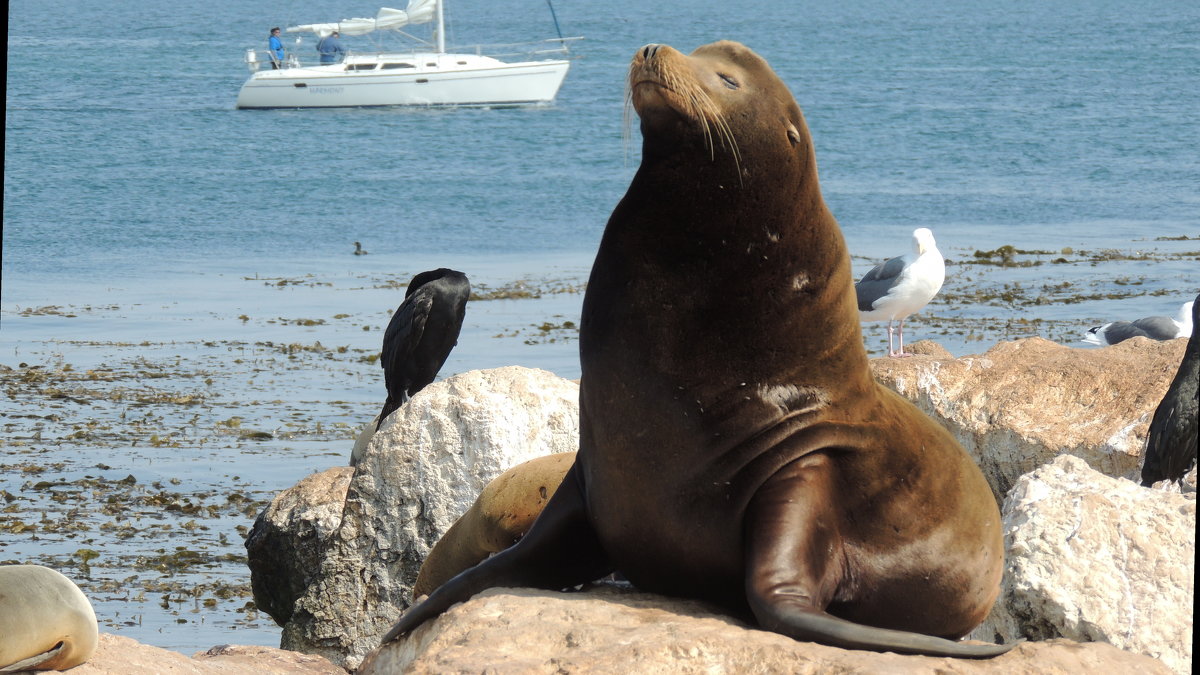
363	66
431	65
393	66
462	63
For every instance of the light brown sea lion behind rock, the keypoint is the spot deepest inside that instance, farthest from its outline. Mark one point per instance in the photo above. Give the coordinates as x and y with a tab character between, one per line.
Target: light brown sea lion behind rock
46	622
500	516
734	446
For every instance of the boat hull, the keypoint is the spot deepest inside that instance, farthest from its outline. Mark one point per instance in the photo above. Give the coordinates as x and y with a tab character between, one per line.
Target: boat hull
527	83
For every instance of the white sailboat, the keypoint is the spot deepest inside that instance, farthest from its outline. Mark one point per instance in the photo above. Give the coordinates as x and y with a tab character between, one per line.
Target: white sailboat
429	77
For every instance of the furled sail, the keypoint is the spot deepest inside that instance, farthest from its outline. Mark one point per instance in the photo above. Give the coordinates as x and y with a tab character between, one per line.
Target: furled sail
418	11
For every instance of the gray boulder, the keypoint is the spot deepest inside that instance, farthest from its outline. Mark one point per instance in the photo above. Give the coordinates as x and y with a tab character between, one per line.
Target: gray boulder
288	541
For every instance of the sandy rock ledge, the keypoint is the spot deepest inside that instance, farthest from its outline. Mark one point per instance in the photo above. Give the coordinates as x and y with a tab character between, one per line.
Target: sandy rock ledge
117	655
615	630
1023	403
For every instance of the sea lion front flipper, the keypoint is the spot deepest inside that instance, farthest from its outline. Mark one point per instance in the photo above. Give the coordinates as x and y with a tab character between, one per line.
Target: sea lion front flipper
559	551
794	566
37	661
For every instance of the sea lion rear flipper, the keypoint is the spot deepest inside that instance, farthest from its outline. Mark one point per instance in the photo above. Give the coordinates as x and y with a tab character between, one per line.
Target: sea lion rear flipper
794	564
37	661
560	550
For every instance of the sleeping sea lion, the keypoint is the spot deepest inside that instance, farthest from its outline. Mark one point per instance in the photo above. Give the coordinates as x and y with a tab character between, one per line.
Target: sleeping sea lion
46	622
501	515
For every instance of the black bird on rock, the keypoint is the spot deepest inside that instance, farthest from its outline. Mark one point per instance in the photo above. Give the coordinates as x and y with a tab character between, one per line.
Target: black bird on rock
1171	446
421	334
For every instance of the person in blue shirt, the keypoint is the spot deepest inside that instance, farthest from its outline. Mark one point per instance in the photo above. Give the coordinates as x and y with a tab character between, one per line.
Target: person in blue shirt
330	48
275	47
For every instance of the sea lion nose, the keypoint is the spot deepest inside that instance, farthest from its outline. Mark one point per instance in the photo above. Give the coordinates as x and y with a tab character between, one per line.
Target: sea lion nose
650	50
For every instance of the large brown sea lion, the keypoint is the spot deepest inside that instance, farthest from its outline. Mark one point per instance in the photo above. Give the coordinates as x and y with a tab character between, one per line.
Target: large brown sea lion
733	444
46	622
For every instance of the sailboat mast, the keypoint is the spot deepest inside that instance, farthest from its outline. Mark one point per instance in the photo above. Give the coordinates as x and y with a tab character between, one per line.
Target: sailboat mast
441	29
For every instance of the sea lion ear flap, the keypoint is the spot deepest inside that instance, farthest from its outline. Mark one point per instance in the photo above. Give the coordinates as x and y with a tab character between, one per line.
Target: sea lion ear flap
793	134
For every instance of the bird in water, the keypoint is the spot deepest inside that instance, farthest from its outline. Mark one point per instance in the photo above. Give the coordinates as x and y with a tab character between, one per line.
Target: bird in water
901	286
1153	327
358	249
1171	445
421	334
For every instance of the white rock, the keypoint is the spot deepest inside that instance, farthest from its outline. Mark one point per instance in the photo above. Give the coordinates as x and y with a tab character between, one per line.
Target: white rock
1094	558
421	470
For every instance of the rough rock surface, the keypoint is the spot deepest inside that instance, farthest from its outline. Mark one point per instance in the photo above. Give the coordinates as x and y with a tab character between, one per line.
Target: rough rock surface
423	469
117	655
1015	408
1023	403
1094	558
612	630
285	547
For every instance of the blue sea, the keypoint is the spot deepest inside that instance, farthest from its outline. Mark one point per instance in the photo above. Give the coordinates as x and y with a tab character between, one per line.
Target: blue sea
145	217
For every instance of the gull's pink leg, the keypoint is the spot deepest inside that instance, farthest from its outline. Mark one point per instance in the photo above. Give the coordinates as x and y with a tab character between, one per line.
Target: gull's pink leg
902	353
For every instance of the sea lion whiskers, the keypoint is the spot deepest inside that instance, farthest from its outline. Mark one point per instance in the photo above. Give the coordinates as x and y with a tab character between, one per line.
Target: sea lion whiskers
695	104
707	113
683	92
626	118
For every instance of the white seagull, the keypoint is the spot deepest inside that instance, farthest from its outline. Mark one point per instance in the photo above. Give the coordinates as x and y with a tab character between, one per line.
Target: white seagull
903	285
1153	327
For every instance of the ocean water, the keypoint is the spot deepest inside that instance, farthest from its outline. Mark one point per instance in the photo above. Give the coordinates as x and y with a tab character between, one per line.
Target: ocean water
146	218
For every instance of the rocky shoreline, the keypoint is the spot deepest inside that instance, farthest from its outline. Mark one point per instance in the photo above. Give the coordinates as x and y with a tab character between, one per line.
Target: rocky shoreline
1092	556
148	533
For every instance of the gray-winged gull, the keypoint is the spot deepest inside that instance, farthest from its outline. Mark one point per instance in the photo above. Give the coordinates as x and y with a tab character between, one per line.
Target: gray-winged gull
895	289
1153	327
1171	445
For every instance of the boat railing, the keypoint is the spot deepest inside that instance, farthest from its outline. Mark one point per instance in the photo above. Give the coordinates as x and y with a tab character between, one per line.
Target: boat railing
257	59
545	47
